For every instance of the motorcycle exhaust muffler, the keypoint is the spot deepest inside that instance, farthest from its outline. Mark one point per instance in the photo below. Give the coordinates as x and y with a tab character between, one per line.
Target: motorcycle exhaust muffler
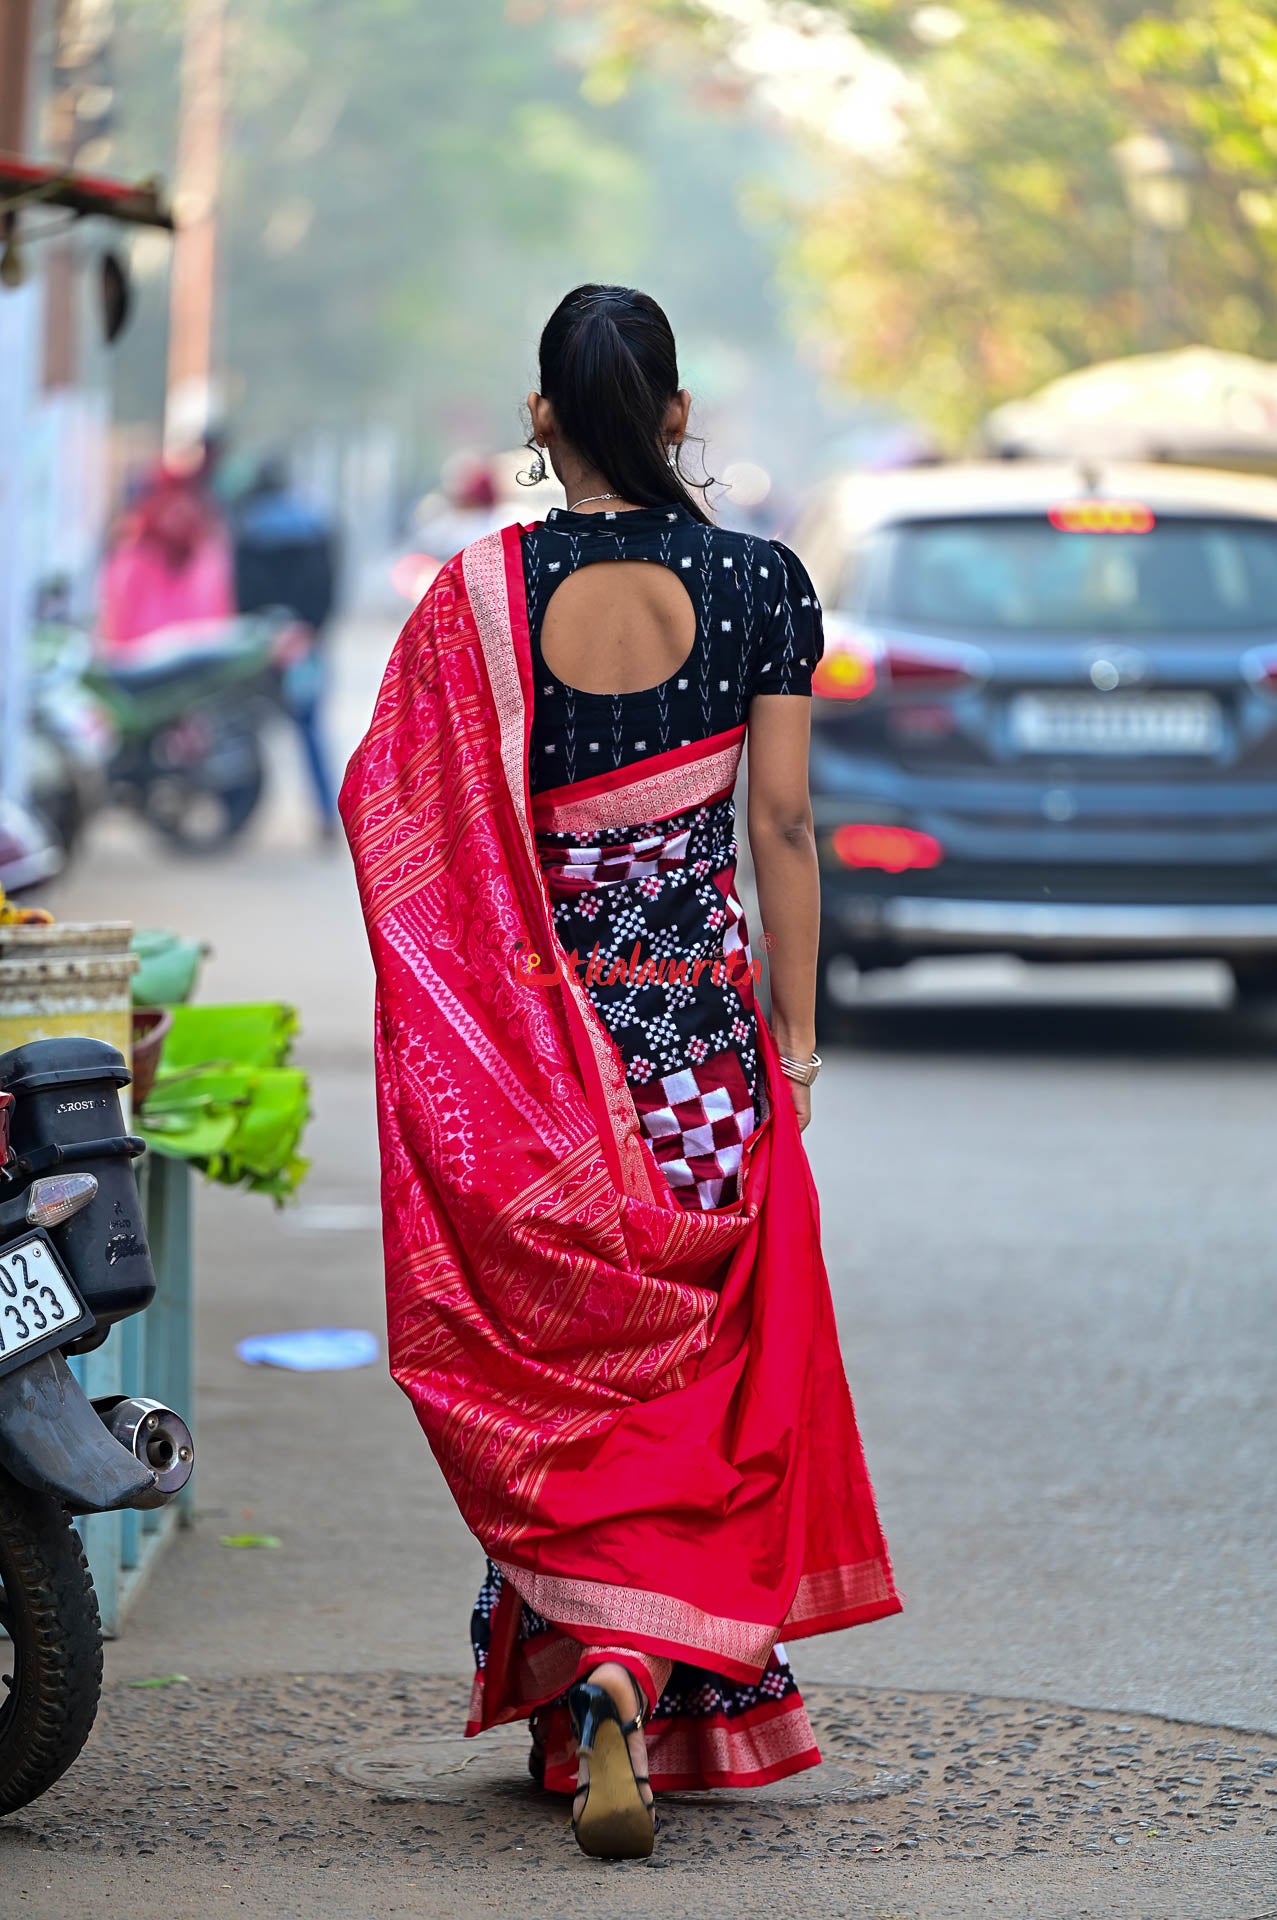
157	1437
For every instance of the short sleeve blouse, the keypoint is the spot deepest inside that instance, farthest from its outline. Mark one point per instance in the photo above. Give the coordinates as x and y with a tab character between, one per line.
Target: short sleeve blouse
758	631
793	636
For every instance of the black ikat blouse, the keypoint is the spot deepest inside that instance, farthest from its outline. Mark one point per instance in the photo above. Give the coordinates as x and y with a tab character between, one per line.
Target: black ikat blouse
758	630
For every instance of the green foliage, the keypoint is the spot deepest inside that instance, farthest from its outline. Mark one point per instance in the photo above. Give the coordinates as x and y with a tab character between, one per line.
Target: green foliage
253	1035
226	1100
410	185
997	248
994	252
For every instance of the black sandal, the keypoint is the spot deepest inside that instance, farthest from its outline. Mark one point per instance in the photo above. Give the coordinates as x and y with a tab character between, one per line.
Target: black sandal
615	1821
537	1756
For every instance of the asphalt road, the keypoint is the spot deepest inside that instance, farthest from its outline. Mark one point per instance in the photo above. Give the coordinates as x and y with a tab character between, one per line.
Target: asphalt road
1052	1251
1048	1222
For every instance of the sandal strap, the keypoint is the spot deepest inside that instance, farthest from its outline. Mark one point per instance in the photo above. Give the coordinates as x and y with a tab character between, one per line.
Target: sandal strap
636	1724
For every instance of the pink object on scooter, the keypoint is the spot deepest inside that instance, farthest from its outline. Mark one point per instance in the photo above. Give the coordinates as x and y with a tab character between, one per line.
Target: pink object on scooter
171	566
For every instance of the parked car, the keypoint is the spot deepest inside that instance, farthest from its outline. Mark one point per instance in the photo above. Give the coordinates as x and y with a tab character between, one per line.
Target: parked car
1046	719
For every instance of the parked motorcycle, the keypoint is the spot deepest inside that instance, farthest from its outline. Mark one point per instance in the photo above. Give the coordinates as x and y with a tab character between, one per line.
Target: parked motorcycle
187	708
70	740
73	1261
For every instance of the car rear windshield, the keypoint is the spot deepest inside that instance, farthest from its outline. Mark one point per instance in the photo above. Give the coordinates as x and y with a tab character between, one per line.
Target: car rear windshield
1020	574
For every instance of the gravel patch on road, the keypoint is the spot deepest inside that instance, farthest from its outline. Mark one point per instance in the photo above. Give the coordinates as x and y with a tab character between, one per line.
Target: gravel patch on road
364	1775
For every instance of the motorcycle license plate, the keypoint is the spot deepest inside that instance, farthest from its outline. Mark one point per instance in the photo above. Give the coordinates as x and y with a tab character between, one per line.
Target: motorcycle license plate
39	1307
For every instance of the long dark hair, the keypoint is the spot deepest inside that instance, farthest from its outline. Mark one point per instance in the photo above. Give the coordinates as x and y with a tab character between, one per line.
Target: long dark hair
609	368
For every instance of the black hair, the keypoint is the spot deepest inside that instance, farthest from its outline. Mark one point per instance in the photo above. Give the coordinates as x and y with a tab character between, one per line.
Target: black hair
609	368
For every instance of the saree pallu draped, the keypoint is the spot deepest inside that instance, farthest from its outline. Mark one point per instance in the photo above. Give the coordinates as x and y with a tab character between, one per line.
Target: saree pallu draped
639	1407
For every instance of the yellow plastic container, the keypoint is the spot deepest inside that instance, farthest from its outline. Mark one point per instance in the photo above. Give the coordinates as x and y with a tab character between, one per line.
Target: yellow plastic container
67	979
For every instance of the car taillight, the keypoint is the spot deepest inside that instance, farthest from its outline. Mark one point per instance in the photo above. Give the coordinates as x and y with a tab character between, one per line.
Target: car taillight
846	671
918	667
1102	516
890	849
857	664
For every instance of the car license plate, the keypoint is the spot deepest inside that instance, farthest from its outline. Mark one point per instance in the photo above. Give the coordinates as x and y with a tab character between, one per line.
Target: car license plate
39	1307
1116	723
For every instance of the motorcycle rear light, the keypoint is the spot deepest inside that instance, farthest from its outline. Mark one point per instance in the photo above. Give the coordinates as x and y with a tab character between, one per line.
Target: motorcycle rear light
54	1200
6	1108
888	849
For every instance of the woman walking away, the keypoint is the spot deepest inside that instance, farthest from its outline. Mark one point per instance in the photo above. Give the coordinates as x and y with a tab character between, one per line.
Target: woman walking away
607	1301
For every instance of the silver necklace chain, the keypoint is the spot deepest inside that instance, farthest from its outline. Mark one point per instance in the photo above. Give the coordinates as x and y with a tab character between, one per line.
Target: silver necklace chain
588	499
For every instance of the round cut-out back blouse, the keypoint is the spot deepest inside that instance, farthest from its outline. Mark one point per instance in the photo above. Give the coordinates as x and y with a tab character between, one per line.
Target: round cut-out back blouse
758	630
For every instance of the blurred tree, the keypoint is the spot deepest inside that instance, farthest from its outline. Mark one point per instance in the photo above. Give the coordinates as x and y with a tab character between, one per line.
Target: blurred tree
410	185
1077	179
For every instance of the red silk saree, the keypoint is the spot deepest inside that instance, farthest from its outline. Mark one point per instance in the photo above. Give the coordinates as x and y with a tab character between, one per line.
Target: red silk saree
640	1408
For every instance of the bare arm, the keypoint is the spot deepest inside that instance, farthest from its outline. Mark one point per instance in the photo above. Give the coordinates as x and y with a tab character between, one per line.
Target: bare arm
783	845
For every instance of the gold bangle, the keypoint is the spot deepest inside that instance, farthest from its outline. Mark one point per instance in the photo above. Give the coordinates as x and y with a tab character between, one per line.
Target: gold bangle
803	1071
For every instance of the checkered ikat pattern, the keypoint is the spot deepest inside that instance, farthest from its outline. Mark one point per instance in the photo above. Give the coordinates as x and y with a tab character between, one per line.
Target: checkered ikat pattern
649	917
698	1121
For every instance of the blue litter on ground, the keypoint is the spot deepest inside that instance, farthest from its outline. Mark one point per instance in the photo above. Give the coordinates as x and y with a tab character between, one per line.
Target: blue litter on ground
311	1349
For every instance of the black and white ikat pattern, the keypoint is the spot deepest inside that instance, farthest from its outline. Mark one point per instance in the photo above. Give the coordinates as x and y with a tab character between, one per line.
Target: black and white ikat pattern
692	1693
758	630
649	919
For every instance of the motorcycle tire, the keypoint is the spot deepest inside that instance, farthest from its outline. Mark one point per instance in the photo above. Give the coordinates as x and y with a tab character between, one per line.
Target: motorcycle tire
204	816
57	796
51	1663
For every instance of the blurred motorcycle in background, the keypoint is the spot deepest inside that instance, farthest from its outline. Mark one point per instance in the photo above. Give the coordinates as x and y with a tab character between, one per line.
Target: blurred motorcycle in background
188	710
70	740
171	730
